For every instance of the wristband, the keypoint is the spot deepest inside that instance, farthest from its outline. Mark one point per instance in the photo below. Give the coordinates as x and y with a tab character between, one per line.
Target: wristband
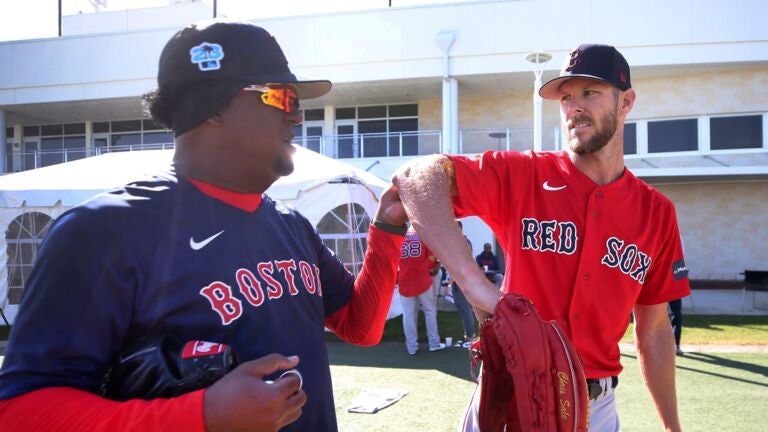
392	229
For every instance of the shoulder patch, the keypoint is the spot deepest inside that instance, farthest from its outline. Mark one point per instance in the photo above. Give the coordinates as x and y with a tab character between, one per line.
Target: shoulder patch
679	269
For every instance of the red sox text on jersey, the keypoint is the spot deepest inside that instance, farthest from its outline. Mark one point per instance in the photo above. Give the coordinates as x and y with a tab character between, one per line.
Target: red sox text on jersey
562	238
229	307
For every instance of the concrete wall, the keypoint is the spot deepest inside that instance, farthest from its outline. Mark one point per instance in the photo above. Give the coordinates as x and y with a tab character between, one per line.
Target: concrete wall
723	226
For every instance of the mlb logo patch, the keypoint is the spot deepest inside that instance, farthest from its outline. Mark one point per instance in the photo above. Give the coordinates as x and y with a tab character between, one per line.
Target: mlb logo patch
207	56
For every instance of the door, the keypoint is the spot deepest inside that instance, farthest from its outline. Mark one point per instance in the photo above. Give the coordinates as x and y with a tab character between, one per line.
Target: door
313	136
29	154
347	145
100	143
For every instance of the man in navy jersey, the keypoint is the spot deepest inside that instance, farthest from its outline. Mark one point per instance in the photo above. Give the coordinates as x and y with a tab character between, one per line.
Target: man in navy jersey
199	252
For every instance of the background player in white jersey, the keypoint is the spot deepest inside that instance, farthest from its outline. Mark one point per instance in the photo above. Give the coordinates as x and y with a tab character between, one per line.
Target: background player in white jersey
585	240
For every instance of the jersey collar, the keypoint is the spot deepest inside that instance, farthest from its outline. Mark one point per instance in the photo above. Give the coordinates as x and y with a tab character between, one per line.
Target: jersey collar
243	201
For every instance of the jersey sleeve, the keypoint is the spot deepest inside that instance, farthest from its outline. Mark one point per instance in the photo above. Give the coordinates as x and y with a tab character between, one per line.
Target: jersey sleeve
668	277
361	321
483	181
66	409
76	302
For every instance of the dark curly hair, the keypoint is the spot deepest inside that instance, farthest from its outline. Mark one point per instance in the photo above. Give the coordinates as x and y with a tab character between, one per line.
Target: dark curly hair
181	107
162	102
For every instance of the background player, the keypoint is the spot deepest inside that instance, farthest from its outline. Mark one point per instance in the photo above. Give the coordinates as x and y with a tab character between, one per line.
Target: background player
415	281
199	252
588	241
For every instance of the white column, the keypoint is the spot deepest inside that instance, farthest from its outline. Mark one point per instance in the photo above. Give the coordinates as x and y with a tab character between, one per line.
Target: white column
89	139
447	131
537	59
537	113
329	130
3	168
454	118
444	40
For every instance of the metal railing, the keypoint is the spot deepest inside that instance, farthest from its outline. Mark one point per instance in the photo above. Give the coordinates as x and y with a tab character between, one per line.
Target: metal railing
27	160
348	146
364	145
515	139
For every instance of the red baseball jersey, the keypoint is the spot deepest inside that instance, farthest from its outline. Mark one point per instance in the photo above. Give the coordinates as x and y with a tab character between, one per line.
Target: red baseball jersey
585	254
415	262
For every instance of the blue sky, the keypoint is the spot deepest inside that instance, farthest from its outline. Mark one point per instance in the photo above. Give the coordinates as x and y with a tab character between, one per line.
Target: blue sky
30	19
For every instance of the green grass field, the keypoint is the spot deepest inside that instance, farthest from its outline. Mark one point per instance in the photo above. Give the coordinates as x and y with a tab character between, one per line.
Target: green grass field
716	391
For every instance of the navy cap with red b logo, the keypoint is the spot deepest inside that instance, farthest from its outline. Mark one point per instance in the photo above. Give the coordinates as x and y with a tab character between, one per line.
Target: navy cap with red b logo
598	62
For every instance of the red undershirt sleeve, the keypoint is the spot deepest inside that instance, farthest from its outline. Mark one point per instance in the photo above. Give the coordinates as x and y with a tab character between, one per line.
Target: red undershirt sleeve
361	321
65	409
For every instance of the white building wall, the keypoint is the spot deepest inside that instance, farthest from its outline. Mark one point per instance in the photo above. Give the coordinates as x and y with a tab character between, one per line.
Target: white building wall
392	44
135	19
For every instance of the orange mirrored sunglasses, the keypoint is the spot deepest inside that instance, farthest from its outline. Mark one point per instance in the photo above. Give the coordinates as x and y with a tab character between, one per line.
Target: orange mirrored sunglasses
285	99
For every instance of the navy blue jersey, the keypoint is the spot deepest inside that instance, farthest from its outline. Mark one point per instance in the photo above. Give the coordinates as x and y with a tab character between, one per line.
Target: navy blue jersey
160	257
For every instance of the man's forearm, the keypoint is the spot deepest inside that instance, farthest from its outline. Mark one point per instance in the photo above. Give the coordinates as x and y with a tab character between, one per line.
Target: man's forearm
425	187
656	358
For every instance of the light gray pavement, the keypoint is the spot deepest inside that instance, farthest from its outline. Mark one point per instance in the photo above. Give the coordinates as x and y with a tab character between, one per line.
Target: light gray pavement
726	302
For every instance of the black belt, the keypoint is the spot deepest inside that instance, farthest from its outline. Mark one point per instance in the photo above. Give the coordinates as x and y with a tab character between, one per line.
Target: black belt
595	390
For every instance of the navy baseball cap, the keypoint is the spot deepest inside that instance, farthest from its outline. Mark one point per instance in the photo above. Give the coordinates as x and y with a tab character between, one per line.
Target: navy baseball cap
240	51
598	62
214	60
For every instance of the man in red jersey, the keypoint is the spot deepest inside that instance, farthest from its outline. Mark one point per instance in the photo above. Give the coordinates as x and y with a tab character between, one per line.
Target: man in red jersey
416	284
588	242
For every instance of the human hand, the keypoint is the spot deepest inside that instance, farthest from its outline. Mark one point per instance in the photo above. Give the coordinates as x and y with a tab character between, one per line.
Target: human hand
243	401
391	210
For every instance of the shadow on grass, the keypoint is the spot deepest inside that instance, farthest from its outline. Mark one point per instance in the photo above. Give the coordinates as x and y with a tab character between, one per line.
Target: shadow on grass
392	355
753	322
716	360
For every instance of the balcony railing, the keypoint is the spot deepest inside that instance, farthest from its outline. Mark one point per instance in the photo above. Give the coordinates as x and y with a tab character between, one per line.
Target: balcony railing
366	145
27	160
363	145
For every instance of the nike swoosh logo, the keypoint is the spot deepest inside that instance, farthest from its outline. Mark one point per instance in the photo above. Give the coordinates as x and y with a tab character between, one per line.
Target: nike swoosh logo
553	188
199	245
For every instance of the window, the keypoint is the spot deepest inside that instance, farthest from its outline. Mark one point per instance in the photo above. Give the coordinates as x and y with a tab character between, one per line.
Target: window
9	132
126	126
48	130
382	130
399	135
8	156
314	114
133	135
50	151
344	230
31	131
673	136
62	143
373	137
23	237
630	138
101	127
366	112
345	113
737	132
74	129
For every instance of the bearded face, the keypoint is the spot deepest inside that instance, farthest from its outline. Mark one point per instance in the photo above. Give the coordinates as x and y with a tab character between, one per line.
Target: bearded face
587	143
590	113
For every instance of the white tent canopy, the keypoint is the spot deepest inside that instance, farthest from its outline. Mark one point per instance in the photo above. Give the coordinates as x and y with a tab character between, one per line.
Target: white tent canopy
318	185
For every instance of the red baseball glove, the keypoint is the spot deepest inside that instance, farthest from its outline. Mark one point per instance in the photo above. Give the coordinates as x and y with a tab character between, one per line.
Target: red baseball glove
532	378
